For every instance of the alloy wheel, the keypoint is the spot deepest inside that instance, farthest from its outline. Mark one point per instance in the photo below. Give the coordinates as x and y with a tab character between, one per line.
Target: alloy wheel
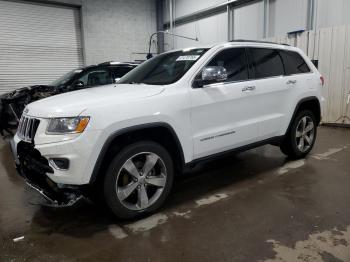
141	181
305	133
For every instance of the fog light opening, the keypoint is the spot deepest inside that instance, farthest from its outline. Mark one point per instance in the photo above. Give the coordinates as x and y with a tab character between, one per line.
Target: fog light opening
59	163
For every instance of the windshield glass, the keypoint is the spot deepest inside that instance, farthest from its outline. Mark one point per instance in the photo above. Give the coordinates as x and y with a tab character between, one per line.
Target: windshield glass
66	77
164	69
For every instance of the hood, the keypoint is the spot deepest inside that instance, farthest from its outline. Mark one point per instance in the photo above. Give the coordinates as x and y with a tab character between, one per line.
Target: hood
74	103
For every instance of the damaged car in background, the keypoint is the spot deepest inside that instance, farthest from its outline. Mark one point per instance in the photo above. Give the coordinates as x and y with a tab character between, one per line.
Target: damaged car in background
12	104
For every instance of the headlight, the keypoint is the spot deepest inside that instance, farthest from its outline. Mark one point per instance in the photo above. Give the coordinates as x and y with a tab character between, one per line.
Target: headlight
67	125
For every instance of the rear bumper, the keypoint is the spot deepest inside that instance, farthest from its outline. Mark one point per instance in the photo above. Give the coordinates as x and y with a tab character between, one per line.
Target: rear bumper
34	169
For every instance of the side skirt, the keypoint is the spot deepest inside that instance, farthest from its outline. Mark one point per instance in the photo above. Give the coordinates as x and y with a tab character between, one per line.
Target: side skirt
273	141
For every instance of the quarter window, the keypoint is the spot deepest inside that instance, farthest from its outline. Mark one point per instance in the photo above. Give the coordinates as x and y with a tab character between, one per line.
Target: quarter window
234	61
293	63
265	63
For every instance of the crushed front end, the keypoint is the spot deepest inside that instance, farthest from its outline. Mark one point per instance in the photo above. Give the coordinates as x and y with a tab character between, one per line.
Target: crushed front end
34	168
12	105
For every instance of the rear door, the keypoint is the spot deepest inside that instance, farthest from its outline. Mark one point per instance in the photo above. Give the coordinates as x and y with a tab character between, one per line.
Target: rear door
298	79
272	90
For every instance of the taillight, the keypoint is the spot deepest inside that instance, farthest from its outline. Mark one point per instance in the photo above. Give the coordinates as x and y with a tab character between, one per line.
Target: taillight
322	80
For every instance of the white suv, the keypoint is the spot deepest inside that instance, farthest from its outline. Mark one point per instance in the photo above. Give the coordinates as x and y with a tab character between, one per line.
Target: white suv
128	140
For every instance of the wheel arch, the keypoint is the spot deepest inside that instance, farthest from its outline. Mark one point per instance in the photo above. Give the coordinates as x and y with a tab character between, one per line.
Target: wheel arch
160	132
312	103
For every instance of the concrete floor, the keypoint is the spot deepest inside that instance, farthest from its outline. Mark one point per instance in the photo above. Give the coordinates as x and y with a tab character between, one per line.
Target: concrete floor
255	206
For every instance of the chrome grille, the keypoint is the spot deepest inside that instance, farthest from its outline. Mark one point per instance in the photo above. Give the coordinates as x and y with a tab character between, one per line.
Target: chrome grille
27	128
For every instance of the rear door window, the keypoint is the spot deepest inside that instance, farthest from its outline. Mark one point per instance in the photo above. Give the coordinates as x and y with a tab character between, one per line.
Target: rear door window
294	63
264	63
234	61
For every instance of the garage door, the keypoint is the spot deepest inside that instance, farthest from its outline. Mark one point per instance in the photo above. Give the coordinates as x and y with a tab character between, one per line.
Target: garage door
38	43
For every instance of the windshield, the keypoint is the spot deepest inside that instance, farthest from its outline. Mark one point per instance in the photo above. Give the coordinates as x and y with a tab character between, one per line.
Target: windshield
163	69
66	77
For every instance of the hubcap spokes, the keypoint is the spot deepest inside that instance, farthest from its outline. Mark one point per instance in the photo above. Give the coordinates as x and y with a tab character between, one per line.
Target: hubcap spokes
141	180
305	133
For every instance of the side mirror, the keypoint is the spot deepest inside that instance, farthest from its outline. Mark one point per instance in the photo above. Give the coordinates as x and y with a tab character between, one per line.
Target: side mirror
116	80
211	75
79	84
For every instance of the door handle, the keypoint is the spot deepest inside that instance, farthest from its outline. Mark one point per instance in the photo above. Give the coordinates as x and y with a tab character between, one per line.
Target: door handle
291	82
248	88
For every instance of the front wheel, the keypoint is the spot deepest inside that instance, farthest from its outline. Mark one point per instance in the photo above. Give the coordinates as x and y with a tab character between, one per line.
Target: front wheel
301	137
138	180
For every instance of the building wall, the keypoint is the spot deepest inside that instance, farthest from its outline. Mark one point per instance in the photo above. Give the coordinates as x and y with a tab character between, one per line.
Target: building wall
114	29
248	20
287	16
185	7
208	30
332	13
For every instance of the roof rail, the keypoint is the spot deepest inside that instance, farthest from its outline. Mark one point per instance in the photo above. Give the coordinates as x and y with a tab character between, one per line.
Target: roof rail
257	41
118	63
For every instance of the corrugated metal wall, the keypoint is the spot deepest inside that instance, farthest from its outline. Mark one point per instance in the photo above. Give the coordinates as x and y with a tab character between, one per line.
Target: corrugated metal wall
331	46
38	43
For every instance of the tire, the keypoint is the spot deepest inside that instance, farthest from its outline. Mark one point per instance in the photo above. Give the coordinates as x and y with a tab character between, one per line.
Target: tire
138	180
291	144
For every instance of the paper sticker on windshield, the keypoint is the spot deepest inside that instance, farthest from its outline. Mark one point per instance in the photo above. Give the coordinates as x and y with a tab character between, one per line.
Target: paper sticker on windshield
188	58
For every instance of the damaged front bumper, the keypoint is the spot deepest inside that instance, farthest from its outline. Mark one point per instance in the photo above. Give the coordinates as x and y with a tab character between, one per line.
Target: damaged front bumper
34	169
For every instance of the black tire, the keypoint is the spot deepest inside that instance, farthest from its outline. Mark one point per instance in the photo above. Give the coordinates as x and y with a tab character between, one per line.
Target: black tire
289	145
116	167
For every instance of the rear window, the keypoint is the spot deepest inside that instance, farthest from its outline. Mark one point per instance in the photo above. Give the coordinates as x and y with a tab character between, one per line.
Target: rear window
265	62
293	63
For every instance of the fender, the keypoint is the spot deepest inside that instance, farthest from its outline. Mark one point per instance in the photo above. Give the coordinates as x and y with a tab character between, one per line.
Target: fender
126	130
297	107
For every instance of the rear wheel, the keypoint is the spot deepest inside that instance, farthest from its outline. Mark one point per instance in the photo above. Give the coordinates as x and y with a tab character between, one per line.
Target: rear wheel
301	137
139	179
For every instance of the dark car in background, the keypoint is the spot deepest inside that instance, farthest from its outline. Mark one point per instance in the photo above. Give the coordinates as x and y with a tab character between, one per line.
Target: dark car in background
12	104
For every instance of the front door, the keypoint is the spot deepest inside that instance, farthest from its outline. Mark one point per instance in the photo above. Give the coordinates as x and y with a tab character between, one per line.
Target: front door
223	114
